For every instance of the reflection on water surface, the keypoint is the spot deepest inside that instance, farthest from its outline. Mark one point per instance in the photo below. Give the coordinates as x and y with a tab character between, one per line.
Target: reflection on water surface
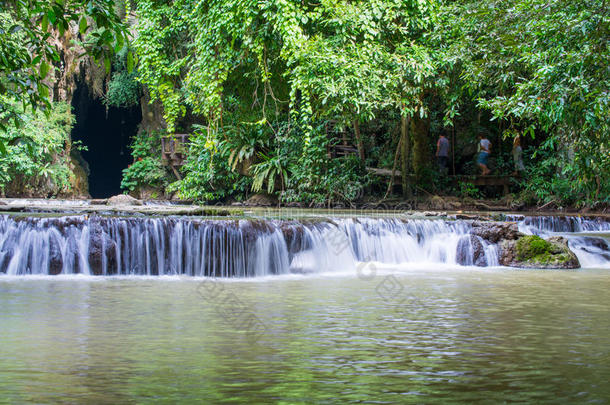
410	335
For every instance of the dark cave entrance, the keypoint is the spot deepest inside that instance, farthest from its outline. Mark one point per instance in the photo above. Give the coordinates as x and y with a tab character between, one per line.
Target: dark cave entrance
107	134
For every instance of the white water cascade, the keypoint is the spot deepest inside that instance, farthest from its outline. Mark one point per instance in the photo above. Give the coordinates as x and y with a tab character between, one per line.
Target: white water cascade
98	245
587	237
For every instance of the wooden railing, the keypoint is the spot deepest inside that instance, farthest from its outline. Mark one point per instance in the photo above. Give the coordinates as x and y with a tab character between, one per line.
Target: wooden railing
174	149
493	180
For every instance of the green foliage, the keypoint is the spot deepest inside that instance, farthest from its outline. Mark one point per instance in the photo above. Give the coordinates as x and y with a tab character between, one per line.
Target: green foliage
468	190
123	88
273	85
243	140
147	169
554	175
123	91
316	180
542	65
28	56
36	160
267	171
208	176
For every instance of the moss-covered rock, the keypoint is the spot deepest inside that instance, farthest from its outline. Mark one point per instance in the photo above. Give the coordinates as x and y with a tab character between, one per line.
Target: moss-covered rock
532	251
534	248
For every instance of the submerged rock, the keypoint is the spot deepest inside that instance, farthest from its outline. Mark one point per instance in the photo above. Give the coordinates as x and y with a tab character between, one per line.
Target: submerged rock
532	251
596	246
123	199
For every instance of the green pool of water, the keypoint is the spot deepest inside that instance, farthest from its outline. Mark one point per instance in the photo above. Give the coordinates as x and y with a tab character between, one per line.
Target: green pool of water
415	336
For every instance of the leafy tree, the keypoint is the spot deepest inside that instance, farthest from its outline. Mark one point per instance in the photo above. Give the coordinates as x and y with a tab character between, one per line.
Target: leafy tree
286	64
28	56
542	66
37	157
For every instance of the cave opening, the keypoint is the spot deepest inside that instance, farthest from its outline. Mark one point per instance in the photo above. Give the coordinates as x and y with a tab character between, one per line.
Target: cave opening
107	134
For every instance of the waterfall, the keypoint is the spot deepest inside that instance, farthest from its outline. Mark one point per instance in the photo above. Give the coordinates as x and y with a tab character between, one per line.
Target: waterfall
98	245
587	237
559	224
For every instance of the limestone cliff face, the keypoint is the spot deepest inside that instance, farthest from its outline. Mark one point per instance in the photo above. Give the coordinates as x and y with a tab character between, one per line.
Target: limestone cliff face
152	114
73	68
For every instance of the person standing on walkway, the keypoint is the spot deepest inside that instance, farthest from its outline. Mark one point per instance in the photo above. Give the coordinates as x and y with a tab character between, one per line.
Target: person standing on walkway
517	156
442	153
484	151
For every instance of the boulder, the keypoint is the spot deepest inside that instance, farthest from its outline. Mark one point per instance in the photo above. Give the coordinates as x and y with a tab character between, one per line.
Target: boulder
149	193
101	247
470	251
470	217
531	251
98	201
434	214
123	199
495	232
79	181
597	243
443	203
261	200
56	261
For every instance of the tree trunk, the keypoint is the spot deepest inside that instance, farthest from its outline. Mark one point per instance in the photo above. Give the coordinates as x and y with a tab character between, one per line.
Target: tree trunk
396	155
421	153
404	133
358	140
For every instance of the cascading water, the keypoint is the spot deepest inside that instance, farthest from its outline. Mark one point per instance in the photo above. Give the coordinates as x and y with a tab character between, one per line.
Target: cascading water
240	248
558	224
587	237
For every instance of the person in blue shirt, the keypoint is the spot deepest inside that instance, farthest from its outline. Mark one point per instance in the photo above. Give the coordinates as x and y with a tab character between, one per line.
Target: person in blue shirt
484	151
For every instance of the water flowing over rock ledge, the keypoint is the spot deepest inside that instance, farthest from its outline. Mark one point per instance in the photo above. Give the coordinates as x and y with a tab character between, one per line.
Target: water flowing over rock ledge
99	245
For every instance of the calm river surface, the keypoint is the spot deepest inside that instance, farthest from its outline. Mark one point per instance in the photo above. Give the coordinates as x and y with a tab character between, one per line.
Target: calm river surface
408	336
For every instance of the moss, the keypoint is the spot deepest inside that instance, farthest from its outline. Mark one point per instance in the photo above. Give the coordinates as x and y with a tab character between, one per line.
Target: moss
534	249
219	212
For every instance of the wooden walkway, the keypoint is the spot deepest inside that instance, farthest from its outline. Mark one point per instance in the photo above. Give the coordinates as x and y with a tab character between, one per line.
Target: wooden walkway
493	180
